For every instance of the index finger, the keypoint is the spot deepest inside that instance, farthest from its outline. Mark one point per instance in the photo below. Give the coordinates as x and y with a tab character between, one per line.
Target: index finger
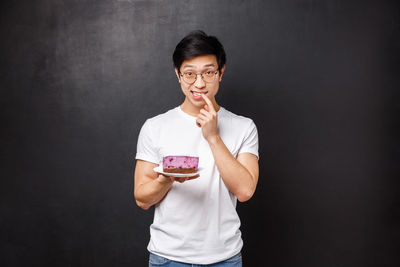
208	101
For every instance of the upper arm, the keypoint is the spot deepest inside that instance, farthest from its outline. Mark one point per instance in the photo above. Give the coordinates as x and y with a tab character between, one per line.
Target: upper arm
250	162
144	173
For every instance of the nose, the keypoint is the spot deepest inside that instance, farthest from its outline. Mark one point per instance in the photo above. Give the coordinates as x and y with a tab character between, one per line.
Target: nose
199	83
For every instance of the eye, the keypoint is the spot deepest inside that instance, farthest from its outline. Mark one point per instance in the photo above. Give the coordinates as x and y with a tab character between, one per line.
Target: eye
189	74
209	73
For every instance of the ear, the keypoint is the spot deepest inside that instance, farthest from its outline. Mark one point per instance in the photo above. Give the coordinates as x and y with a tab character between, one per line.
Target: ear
221	73
177	75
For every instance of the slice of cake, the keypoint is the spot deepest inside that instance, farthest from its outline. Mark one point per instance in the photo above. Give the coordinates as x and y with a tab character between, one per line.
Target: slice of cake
180	164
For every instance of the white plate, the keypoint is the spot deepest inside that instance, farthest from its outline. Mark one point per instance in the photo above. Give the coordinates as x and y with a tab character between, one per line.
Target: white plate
159	169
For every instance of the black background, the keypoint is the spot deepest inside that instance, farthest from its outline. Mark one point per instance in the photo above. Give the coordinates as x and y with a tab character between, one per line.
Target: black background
319	78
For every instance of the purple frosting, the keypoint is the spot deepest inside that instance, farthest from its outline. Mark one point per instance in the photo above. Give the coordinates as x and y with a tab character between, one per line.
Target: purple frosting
181	162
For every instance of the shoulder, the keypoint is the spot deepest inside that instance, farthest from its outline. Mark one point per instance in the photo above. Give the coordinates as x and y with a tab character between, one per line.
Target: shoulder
163	117
153	125
237	120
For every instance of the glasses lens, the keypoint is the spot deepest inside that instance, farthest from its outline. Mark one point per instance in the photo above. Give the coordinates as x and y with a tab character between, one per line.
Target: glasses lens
209	76
189	77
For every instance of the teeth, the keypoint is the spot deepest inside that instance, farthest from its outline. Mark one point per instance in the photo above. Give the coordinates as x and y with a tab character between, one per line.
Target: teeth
197	94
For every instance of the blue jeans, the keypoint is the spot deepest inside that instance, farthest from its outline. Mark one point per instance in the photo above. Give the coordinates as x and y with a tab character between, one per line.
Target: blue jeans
155	260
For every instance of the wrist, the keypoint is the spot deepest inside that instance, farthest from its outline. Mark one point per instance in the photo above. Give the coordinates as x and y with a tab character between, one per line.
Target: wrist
214	140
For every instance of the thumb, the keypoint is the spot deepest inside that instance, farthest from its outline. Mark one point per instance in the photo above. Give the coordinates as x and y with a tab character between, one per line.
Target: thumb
206	108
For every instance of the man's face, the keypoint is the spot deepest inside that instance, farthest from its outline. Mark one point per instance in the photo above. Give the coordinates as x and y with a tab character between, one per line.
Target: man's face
197	65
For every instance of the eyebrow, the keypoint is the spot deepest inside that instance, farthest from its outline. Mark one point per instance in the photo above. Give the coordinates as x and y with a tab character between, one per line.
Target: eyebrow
192	66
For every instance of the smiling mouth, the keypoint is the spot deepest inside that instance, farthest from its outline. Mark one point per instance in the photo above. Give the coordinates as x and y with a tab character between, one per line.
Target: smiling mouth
198	93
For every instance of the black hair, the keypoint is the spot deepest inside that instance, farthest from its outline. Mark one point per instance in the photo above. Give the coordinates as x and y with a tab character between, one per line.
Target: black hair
198	43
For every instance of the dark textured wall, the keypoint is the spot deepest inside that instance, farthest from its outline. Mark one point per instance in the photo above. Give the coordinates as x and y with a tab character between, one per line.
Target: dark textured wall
319	78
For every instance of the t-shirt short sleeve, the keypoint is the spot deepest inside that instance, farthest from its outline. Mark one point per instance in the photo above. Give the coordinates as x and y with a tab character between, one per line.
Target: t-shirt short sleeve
250	142
146	148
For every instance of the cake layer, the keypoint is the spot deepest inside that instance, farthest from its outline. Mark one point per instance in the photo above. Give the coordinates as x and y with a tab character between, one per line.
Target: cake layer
180	164
179	170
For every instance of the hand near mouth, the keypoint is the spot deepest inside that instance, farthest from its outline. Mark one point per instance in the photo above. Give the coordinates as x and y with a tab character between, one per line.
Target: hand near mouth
207	120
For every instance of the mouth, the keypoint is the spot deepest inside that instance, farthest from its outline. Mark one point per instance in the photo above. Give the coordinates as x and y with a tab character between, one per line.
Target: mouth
197	95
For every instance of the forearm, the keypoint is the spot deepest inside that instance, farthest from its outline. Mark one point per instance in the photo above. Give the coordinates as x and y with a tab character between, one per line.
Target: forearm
235	176
152	192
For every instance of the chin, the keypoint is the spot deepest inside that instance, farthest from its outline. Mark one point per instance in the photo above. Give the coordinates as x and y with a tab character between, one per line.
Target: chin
198	103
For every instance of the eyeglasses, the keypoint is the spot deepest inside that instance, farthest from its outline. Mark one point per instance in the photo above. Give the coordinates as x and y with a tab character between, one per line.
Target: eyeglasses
207	76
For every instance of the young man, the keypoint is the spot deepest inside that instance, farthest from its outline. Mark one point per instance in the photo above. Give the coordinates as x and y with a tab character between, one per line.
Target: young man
195	220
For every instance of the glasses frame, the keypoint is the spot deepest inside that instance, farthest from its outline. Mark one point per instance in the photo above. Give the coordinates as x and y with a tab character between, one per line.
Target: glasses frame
197	74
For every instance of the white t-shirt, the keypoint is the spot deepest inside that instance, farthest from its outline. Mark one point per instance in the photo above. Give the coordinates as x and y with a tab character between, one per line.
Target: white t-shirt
197	221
